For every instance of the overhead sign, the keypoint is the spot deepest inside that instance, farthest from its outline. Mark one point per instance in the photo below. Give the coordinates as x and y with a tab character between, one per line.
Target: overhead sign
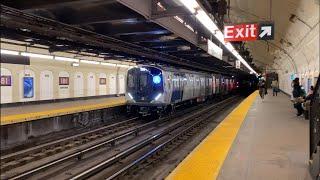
214	50
249	32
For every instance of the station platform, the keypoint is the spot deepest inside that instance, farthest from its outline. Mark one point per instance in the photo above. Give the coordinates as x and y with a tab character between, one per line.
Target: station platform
29	112
257	140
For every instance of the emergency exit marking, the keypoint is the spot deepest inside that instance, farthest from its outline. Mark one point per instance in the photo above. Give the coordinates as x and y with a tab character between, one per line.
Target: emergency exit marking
249	32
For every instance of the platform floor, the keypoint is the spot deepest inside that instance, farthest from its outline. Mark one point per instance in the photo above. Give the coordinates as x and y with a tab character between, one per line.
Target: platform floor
16	114
272	144
256	141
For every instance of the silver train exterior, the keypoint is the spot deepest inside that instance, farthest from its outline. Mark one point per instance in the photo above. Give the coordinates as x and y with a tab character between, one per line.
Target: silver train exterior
160	89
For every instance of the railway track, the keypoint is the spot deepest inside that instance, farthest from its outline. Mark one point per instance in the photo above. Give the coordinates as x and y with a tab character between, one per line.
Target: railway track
152	146
127	131
26	156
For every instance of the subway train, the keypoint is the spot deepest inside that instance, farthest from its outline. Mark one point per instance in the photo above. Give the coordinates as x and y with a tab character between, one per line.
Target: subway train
155	89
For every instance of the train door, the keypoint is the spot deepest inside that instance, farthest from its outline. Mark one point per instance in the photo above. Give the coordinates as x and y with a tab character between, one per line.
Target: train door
46	85
217	85
176	93
112	84
197	86
210	87
213	84
78	84
191	85
202	86
91	84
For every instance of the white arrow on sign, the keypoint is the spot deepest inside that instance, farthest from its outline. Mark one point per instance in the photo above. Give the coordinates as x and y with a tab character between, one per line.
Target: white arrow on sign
265	30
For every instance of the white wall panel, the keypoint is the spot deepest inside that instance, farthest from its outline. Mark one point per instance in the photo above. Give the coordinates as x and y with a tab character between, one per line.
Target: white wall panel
78	89
122	84
91	84
112	84
46	85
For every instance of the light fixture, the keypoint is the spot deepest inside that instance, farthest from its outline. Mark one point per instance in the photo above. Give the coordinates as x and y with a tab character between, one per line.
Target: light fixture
130	95
43	56
9	52
74	64
122	65
59	58
206	21
157	97
89	62
108	64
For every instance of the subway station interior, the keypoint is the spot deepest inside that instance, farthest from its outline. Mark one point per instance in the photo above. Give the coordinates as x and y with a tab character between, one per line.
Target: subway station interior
160	89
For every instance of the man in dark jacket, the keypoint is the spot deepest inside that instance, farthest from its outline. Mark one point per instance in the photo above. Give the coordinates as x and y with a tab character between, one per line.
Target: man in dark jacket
297	94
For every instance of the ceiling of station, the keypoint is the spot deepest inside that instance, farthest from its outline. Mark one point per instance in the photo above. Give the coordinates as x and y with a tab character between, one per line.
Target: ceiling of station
293	19
110	18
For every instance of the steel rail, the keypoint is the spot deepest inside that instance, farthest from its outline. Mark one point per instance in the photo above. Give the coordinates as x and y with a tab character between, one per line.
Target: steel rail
99	145
162	145
104	164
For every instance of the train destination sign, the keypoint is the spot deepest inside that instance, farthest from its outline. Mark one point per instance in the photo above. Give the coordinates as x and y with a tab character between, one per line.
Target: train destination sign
249	32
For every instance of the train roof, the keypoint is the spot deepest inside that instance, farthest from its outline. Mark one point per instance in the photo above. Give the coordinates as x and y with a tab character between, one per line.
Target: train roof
174	69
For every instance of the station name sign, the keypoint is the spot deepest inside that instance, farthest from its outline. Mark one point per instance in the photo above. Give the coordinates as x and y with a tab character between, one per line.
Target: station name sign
249	32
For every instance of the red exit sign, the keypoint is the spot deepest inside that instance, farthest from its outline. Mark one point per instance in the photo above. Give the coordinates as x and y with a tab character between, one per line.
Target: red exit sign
249	32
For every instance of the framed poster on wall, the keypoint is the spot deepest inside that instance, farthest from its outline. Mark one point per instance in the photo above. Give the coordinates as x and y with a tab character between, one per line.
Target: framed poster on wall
28	87
5	81
63	80
103	81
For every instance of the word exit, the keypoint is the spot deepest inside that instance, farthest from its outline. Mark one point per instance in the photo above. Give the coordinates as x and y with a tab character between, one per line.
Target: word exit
249	32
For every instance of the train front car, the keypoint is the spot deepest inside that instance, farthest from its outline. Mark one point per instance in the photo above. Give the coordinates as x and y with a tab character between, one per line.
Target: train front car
145	90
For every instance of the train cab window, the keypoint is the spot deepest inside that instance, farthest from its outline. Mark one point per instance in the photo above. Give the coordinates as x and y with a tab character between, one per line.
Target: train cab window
143	80
130	81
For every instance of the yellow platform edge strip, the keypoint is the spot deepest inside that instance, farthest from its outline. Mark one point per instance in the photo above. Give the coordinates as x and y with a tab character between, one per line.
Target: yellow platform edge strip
18	118
206	160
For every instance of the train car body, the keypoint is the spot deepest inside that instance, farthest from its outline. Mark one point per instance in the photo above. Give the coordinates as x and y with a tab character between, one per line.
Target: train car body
160	89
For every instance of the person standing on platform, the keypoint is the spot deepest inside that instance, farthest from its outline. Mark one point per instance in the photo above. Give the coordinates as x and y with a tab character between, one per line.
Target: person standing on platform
275	87
298	94
261	86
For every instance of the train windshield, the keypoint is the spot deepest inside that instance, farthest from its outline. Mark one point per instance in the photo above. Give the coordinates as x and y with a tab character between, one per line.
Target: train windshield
144	83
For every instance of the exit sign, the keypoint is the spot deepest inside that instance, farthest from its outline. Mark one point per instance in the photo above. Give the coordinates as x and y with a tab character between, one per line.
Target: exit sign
249	32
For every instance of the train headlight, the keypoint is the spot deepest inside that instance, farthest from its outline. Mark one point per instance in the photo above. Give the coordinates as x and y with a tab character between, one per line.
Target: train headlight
157	97
156	79
130	96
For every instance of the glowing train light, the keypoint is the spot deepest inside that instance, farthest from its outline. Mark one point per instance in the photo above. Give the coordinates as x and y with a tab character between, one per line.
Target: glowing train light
156	79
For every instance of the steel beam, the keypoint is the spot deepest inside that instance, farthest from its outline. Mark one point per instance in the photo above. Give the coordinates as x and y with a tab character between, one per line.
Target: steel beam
144	7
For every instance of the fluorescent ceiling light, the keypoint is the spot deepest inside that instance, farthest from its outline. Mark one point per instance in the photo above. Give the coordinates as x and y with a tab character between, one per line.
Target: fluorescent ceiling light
108	64
178	19
191	5
89	62
75	64
9	52
206	21
122	65
59	58
36	55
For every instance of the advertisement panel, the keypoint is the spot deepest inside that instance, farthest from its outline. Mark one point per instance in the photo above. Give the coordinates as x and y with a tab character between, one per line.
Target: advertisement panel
5	81
28	87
